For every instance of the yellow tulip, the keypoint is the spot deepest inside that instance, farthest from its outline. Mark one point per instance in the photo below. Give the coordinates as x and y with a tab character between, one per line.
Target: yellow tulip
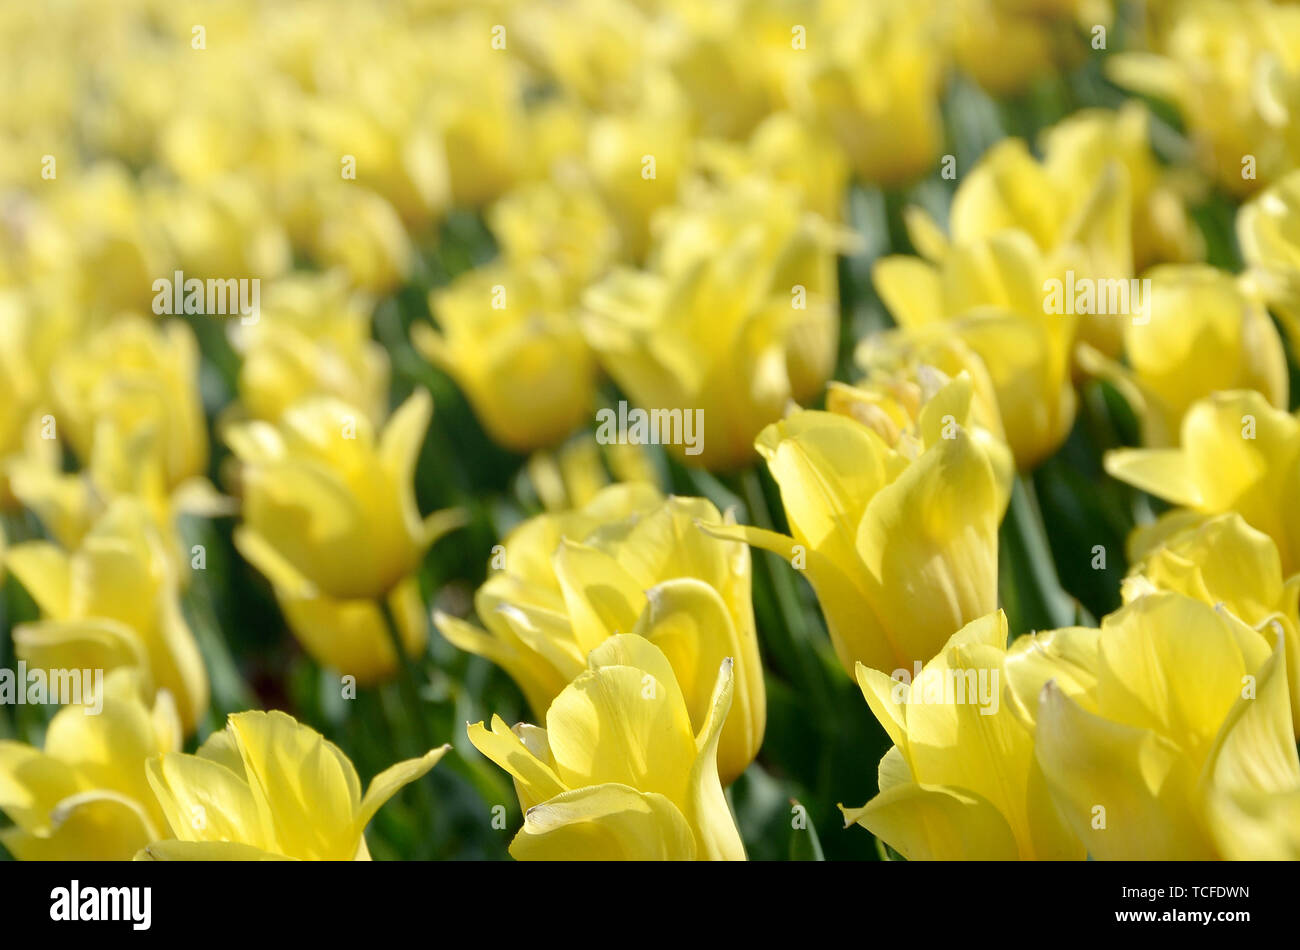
1163	735
1078	216
222	230
1237	453
1230	69
960	782
1035	39
510	339
629	561
990	293
900	542
561	221
736	316
135	379
329	517
872	81
32	336
348	227
1079	148
112	602
312	339
1201	334
638	162
1268	229
786	149
398	156
905	371
619	773
84	797
1224	562
268	788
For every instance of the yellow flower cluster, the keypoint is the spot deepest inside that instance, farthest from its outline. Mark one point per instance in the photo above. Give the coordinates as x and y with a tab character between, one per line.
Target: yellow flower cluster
663	201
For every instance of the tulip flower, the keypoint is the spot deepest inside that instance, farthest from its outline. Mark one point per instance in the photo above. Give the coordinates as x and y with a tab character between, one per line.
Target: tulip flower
1082	224
511	341
1237	453
629	561
1224	562
873	84
312	339
990	293
1201	334
134	378
900	542
905	371
562	222
736	316
786	149
1266	230
267	788
32	336
113	602
1224	68
619	773
1161	734
84	796
1036	40
1079	148
329	517
960	782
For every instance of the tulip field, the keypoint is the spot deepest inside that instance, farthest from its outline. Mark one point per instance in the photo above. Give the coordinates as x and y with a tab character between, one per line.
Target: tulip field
640	430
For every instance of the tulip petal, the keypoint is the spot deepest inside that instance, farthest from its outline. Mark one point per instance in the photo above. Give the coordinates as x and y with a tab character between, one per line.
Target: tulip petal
391	780
604	823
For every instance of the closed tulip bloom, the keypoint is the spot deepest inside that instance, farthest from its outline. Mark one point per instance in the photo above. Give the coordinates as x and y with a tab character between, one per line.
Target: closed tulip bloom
1079	216
900	542
1268	229
329	517
736	316
905	371
562	222
960	782
1081	146
348	227
113	602
1236	453
874	85
510	338
1224	562
787	149
312	339
1166	734
84	796
629	561
990	293
1036	39
619	773
269	788
135	378
1228	68
1201	334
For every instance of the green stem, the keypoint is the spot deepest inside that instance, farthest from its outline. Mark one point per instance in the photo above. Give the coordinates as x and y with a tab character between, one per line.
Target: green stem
407	683
1031	591
798	643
